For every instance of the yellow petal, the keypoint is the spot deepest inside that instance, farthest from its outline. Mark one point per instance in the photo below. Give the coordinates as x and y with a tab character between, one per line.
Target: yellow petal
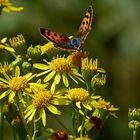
53	86
53	109
31	116
4	40
65	80
29	113
43	115
57	78
49	76
11	96
4	94
41	66
44	72
17	71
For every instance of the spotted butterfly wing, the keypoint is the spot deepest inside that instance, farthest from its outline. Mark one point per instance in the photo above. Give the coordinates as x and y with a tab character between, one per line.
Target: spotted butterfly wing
55	37
62	42
86	23
85	26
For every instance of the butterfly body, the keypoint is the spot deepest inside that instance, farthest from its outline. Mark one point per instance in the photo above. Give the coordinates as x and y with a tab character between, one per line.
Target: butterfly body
62	42
72	45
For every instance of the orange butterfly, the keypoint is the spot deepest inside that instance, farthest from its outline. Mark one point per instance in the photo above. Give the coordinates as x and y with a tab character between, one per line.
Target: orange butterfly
62	42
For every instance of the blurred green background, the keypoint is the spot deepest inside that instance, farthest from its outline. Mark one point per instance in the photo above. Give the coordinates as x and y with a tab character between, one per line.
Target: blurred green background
114	40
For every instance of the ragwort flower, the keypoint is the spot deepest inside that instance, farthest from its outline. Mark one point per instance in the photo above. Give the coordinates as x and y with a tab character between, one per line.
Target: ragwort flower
101	104
81	97
43	99
59	68
15	85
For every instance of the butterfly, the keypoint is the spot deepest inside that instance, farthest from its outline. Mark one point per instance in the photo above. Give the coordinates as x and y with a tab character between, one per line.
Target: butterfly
62	42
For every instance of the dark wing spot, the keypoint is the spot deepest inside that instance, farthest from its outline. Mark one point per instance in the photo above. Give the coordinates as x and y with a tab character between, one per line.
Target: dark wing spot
61	36
55	34
52	37
81	28
83	23
87	22
48	33
86	16
85	27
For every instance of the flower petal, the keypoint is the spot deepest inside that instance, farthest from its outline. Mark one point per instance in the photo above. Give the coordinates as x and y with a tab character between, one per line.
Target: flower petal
43	115
57	78
60	102
53	109
65	80
40	66
31	116
4	94
72	78
11	96
53	86
49	76
17	71
44	72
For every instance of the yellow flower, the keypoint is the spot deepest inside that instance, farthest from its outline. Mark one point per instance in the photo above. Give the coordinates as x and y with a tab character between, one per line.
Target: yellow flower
15	85
47	48
81	96
75	57
89	65
7	6
59	68
43	99
102	104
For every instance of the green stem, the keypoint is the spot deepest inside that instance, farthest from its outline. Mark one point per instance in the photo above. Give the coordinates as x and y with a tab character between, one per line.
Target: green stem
83	122
15	134
134	134
1	120
75	119
19	108
35	130
62	124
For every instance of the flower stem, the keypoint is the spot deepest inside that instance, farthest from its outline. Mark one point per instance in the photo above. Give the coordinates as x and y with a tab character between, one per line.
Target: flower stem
1	120
35	130
134	134
19	108
83	122
75	119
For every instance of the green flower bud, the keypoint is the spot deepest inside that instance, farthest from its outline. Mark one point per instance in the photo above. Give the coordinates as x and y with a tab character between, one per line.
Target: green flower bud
34	53
98	80
134	114
26	67
134	125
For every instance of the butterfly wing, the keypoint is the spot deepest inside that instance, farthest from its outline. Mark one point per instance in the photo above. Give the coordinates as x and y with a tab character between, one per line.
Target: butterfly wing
54	37
85	26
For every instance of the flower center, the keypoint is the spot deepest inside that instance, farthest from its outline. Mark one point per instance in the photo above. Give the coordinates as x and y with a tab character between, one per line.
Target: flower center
60	65
78	94
42	98
18	83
